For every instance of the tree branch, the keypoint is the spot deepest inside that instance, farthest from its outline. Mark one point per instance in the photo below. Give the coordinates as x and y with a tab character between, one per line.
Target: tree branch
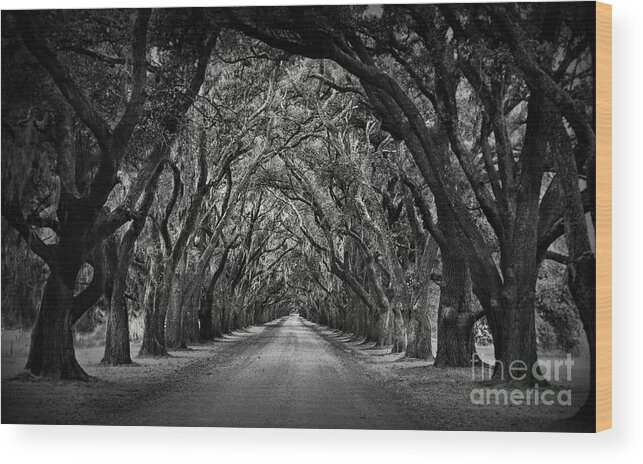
90	296
32	38
14	217
125	126
559	258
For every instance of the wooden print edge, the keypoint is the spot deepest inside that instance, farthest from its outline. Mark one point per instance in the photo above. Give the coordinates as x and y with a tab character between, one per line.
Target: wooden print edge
603	216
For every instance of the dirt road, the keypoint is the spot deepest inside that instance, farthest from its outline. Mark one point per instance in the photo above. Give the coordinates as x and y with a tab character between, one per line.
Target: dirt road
288	375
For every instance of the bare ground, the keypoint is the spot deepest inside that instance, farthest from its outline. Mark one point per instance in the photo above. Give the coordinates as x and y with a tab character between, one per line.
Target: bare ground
289	373
442	397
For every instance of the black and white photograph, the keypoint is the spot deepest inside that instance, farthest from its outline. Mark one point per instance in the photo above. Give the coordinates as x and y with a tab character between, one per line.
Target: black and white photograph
306	217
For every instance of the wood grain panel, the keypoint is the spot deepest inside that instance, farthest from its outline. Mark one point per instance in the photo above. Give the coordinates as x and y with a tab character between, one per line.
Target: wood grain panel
603	216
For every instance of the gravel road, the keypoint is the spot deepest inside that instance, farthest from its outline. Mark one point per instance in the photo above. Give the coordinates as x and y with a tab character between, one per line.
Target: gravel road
288	375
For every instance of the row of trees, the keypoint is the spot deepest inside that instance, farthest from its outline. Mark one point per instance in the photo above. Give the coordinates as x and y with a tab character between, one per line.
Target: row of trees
495	105
222	167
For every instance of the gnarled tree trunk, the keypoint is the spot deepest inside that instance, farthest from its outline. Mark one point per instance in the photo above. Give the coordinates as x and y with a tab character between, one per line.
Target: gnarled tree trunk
51	353
456	347
153	344
117	349
418	334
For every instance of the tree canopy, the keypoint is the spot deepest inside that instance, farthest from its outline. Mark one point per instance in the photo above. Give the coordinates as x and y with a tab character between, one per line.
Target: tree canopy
399	173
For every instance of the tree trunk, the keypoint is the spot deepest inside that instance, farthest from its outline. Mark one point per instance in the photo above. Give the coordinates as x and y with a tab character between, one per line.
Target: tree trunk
152	345
190	320
173	309
225	325
518	260
117	349
211	326
372	326
217	328
419	336
154	330
206	319
582	284
519	337
398	332
581	268
456	346
52	341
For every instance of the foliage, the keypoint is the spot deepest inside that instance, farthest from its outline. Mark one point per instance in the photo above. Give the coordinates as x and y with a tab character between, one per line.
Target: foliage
324	158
